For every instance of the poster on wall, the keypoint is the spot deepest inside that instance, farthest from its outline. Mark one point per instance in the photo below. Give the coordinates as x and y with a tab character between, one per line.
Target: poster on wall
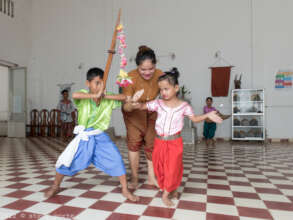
284	79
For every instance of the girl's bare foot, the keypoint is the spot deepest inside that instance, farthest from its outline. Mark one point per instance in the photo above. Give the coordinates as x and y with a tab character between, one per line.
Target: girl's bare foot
174	195
213	142
166	200
129	195
52	191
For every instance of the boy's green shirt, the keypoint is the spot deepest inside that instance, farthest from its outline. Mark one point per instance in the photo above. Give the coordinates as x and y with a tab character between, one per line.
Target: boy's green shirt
92	116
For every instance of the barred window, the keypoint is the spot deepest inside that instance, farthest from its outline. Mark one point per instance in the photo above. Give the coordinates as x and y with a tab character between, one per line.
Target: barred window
7	7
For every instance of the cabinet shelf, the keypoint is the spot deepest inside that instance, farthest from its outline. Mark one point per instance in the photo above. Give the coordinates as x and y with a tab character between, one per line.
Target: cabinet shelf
239	126
239	102
248	113
247	123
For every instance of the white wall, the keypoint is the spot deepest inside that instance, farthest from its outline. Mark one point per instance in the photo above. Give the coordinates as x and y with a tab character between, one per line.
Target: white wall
255	38
4	104
15	43
273	48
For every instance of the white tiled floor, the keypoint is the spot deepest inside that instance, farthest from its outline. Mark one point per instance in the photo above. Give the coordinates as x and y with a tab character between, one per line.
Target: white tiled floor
226	182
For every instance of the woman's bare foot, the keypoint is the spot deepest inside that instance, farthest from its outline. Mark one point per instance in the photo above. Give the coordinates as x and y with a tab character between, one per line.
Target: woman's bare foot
166	200
52	191
174	195
129	195
133	184
153	181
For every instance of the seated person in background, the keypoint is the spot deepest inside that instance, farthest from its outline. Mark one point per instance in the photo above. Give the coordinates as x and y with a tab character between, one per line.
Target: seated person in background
66	108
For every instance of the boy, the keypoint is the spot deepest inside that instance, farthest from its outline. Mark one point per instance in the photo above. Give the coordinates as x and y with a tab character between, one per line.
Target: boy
92	144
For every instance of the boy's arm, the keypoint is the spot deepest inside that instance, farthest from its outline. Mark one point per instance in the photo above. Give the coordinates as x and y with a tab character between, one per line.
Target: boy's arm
118	97
83	95
211	115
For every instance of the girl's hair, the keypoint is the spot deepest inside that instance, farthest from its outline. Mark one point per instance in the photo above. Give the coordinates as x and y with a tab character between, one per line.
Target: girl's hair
209	98
145	53
172	76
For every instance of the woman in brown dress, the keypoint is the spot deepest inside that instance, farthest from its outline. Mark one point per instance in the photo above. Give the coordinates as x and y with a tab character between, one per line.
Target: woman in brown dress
140	124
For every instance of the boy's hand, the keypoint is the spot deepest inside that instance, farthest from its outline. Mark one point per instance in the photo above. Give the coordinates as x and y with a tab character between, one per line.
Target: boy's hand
213	116
101	91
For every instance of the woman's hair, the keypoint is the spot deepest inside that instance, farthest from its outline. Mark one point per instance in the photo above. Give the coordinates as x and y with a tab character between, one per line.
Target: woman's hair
63	91
145	53
209	98
172	76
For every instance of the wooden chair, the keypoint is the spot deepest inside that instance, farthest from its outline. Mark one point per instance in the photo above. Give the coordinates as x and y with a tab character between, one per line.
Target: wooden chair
54	123
44	125
74	116
34	124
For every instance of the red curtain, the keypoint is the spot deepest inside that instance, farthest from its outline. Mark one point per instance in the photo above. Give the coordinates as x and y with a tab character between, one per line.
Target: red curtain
220	80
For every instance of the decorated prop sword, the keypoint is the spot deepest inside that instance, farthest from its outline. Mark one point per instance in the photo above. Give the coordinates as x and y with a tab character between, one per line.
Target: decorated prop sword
123	80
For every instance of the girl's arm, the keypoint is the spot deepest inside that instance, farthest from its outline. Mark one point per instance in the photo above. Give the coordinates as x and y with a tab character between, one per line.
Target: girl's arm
130	106
211	115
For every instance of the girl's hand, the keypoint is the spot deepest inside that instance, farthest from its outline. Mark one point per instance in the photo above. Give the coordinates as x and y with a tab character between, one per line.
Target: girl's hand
137	95
136	105
213	116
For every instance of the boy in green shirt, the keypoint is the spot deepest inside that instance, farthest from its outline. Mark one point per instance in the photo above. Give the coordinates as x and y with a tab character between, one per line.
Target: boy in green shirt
92	144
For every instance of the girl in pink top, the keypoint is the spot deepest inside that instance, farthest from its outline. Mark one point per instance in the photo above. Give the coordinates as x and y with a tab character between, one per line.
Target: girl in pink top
168	145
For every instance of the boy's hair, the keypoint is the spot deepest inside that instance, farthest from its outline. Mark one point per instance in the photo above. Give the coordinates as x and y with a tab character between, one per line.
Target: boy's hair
209	98
63	91
94	72
145	53
172	76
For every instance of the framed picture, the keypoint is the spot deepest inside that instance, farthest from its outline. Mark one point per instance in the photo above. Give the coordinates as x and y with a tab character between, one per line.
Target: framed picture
1	5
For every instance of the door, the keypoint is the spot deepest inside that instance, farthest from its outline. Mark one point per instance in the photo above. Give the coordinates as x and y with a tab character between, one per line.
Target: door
17	102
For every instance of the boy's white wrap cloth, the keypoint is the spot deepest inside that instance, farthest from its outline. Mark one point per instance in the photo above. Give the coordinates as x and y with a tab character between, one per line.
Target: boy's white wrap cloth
68	154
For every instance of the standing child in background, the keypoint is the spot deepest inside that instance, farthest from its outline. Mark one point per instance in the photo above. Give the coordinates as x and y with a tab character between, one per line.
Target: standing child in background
168	145
66	111
92	144
209	127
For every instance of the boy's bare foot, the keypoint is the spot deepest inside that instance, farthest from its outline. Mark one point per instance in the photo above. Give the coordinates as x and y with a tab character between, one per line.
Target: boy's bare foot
166	200
52	191
174	195
130	196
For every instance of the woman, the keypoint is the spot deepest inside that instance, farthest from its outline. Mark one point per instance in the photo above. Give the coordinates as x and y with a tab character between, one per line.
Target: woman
67	111
140	124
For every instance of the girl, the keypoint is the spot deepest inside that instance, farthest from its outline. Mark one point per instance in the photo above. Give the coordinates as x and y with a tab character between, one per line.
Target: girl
209	127
168	145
